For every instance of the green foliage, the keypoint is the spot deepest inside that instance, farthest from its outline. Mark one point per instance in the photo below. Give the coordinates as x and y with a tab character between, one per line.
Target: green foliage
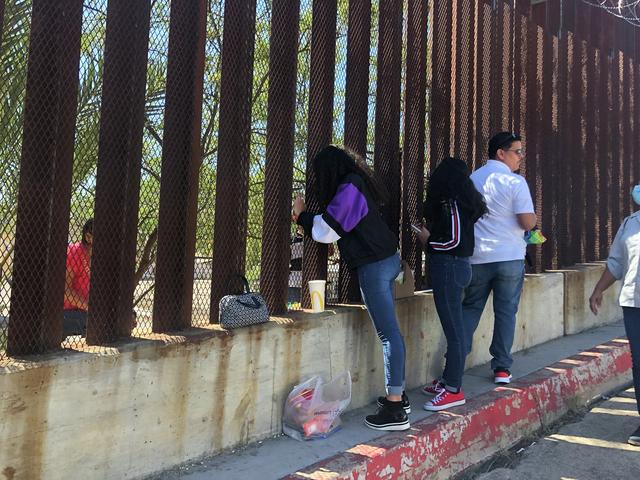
13	77
13	70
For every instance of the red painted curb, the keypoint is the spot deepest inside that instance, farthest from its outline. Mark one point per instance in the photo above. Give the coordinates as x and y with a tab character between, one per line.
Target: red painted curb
445	444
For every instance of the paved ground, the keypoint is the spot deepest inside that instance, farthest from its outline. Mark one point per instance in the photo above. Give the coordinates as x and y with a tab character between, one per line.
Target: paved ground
277	457
593	448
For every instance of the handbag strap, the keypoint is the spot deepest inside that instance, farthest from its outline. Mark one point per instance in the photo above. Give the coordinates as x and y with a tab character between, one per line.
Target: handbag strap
245	282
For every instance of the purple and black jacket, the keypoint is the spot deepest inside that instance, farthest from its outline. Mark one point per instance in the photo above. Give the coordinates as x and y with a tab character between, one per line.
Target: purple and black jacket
353	220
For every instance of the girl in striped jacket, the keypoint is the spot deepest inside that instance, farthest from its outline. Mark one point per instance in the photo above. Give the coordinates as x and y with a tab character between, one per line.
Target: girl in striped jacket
452	207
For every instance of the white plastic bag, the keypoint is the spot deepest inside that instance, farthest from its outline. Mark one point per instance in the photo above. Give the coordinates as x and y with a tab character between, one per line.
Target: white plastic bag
313	408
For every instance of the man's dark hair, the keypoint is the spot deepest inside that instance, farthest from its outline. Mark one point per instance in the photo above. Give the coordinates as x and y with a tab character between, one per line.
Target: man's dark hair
333	163
88	228
502	140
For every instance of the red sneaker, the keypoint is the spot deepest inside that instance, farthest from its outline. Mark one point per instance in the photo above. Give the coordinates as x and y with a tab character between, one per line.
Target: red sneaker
444	400
501	375
434	389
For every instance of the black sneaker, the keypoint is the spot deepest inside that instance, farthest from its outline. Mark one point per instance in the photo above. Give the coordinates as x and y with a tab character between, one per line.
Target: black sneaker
405	402
634	438
391	416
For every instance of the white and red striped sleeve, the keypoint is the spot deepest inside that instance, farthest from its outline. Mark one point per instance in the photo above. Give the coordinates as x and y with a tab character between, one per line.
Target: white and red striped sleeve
455	232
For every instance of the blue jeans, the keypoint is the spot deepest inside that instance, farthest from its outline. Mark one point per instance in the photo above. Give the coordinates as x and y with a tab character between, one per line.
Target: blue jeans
74	322
293	295
376	285
505	279
449	277
632	327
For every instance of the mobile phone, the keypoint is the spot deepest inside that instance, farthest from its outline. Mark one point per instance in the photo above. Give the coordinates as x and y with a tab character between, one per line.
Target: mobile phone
416	228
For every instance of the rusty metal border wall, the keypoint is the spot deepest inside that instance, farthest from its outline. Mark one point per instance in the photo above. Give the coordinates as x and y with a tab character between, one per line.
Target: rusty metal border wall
563	75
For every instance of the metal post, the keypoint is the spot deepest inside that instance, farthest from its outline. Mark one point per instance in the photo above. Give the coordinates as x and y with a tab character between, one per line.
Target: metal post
440	115
483	75
414	134
629	154
45	177
616	141
564	178
181	158
498	68
463	80
604	151
118	173
356	112
276	229
387	155
234	139
591	151
534	140
321	88
548	150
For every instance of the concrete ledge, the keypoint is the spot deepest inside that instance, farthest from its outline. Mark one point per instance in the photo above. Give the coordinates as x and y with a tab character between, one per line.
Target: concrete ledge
445	444
178	398
579	281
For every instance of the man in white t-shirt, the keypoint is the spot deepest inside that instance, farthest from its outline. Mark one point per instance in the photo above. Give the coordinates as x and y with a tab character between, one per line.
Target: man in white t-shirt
498	258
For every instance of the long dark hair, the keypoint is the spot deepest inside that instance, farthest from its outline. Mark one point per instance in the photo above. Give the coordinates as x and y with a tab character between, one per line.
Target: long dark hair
450	180
88	228
333	163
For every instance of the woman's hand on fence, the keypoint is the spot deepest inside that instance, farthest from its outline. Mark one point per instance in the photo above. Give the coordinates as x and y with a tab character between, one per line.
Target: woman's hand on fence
298	207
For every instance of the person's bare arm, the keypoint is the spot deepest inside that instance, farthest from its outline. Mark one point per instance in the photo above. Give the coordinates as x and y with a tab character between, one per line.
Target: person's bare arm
606	280
527	220
70	295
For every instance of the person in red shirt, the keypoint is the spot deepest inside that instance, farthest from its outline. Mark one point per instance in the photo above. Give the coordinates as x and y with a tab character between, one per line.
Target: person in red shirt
76	291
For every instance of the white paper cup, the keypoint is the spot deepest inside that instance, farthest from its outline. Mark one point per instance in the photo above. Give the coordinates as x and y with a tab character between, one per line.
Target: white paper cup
316	290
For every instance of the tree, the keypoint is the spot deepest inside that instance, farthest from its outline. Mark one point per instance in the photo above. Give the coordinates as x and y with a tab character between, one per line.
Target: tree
12	90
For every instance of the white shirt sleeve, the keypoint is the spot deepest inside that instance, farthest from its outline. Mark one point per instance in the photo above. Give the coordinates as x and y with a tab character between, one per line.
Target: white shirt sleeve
322	232
616	262
522	202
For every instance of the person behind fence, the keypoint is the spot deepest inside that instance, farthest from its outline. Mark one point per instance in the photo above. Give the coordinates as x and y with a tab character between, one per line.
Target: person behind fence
497	264
76	291
452	207
352	198
295	268
624	264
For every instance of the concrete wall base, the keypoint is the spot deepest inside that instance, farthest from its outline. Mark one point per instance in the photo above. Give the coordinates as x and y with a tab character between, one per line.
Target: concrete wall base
154	404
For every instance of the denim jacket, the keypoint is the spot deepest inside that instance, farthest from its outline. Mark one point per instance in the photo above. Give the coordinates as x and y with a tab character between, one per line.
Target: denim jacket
623	261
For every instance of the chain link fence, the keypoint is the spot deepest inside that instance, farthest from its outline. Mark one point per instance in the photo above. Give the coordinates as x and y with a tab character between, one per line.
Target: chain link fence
184	131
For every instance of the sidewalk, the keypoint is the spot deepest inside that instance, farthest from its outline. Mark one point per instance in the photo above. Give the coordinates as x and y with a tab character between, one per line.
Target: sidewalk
591	449
347	453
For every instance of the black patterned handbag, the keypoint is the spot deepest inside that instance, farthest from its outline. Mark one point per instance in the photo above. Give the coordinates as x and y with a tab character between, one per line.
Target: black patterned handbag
242	310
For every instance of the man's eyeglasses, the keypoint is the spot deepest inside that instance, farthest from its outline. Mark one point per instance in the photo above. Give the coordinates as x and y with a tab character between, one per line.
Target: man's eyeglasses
518	151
